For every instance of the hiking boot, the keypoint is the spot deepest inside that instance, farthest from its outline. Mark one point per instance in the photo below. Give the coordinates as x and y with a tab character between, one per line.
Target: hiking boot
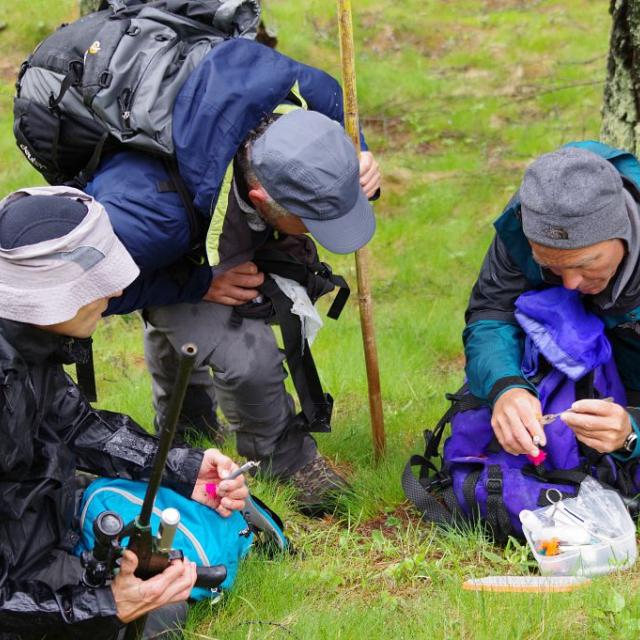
318	486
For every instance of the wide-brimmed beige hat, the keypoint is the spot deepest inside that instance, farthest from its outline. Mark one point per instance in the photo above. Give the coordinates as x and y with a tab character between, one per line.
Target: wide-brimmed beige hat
47	281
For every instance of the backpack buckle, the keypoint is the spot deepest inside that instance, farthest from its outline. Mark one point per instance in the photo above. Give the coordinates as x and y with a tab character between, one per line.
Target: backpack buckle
105	80
441	482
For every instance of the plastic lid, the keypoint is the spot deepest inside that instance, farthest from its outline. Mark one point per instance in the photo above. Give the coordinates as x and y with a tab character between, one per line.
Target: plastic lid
170	517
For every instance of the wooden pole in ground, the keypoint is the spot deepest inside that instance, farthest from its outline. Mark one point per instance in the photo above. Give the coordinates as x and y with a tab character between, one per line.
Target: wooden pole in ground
347	57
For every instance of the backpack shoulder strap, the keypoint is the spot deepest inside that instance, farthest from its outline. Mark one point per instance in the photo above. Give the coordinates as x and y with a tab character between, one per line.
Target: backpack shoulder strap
422	491
317	406
425	501
197	230
86	376
317	277
497	516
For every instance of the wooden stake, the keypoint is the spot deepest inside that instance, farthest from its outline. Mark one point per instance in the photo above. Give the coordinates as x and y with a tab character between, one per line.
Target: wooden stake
347	57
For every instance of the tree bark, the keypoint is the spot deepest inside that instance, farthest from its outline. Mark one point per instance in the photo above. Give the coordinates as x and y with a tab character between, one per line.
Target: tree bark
621	106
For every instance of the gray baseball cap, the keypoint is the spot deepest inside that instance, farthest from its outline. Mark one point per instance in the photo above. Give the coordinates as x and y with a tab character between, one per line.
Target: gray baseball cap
309	166
572	198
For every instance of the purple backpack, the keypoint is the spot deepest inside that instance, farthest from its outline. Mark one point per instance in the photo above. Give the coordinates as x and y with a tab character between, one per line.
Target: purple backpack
568	357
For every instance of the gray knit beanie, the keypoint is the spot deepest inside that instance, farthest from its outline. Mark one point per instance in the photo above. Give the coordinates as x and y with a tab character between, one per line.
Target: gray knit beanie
573	198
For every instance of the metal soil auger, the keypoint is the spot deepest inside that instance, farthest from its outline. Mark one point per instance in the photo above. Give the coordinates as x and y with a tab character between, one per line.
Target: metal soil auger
352	127
154	552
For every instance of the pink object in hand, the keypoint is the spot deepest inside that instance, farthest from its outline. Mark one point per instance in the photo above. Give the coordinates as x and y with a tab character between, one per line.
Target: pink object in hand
212	489
539	459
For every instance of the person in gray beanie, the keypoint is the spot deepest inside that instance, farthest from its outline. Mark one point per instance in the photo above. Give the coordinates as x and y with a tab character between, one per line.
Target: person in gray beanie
571	199
574	222
60	264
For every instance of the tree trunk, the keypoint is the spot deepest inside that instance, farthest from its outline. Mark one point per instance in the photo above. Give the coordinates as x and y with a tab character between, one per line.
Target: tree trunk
621	107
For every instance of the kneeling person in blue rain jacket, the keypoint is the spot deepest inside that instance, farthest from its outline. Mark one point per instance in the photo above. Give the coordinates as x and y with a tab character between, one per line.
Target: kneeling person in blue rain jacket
60	264
575	222
307	177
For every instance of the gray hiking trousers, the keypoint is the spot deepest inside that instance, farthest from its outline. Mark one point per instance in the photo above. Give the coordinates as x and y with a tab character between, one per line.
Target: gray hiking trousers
248	379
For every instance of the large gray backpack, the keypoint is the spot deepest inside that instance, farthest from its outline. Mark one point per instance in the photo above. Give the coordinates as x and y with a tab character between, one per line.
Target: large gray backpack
111	78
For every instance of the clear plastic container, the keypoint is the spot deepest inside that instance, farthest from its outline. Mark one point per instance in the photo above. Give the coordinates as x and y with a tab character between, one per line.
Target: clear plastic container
594	559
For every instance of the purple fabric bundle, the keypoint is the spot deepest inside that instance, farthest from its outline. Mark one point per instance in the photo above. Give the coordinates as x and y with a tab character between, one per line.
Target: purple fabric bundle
573	341
558	327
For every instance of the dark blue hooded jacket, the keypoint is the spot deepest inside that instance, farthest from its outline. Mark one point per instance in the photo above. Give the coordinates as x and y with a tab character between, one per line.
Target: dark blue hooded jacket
236	85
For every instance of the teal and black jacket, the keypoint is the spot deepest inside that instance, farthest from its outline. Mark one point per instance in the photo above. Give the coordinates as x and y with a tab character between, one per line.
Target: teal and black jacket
494	341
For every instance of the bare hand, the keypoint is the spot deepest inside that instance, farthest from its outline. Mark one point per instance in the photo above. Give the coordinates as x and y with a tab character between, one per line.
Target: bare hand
370	178
601	425
235	286
135	597
229	494
515	422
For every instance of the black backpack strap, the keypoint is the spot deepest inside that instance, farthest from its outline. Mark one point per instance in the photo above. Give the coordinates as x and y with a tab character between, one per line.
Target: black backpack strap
197	228
433	438
85	371
555	476
497	514
316	277
341	297
73	76
469	491
87	173
422	492
86	376
430	507
317	406
462	400
575	477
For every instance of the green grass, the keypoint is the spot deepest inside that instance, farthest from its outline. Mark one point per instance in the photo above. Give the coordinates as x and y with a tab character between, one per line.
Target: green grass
456	98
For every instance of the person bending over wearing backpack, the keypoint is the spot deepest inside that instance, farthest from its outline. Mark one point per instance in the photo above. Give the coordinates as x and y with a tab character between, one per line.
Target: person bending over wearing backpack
299	174
575	222
60	264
